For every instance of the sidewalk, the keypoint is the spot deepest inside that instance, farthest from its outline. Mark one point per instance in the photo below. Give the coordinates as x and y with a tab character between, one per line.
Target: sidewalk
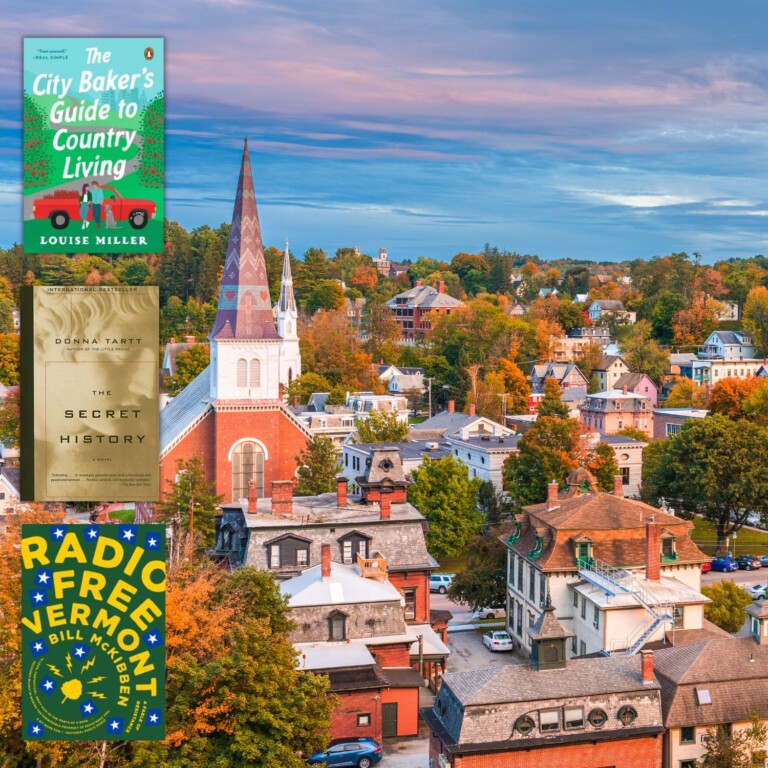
406	753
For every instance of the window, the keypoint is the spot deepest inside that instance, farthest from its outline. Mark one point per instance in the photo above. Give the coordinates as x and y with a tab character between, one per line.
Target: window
288	551
337	626
583	547
549	720
574	717
542	589
583	607
255	373
582	648
346	552
688	764
574	644
247	465
274	556
754	626
597	718
302	556
353	544
678	617
346	459
363	719
511	569
520	575
524	724
409	593
596	618
519	618
627	715
532	584
625	475
672	429
242	373
668	546
226	538
688	735
575	599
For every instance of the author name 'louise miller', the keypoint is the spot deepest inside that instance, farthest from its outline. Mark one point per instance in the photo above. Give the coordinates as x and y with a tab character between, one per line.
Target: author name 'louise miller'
95	240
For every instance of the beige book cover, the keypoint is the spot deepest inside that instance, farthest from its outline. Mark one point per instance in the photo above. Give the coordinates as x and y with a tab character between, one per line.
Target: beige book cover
89	393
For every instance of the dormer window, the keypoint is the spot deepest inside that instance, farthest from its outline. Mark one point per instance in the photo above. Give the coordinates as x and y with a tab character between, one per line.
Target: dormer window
668	546
627	715
352	545
337	625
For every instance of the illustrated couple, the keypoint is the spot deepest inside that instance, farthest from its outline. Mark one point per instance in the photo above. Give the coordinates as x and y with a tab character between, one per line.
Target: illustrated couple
94	195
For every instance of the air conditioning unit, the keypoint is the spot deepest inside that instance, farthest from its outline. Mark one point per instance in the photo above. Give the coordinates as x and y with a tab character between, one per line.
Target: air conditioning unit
705	737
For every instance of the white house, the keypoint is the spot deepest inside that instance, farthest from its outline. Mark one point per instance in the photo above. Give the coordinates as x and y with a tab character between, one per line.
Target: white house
727	345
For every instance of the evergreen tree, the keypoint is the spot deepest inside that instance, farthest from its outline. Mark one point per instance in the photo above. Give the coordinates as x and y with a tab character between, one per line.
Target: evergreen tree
318	467
552	404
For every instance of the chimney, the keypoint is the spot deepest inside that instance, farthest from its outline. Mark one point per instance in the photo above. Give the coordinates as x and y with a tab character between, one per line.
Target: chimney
646	666
618	486
451	406
189	339
418	284
652	551
251	497
471	409
552	489
341	491
282	497
386	506
325	561
295	401
624	389
441	286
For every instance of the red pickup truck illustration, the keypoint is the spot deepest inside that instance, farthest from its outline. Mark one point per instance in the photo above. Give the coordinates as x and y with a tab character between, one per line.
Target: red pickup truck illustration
63	206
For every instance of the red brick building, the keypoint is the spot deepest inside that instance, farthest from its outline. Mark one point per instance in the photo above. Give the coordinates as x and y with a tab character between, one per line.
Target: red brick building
412	309
232	415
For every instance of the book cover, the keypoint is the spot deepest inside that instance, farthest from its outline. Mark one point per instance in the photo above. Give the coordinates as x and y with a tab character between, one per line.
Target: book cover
94	148
93	632
89	393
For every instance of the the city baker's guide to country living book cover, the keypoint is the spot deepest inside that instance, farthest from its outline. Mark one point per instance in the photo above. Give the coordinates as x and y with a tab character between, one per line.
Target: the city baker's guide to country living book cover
94	158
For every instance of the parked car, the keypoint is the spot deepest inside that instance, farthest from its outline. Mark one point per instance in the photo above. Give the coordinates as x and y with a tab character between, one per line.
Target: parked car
748	562
726	564
361	752
440	582
757	591
763	560
498	640
705	567
489	613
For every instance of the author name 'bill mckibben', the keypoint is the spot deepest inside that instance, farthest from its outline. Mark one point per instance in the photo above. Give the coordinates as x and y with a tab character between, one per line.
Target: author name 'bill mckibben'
93	240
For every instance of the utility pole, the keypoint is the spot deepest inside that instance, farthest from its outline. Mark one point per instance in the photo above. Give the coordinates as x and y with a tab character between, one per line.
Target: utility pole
504	396
430	379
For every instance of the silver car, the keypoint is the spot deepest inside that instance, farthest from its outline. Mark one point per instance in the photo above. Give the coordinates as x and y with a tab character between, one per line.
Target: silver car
498	640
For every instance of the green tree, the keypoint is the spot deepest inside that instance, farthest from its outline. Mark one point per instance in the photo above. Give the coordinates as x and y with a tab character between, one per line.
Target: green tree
327	294
318	467
743	748
666	307
728	603
484	582
151	171
192	500
305	385
444	493
717	467
755	318
309	273
189	365
642	354
337	395
134	271
382	427
590	359
552	404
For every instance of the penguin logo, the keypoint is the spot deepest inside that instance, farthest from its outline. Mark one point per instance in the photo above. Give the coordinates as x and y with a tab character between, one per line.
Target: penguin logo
149	53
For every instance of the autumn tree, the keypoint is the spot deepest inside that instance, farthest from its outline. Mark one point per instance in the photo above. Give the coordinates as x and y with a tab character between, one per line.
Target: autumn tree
755	318
732	748
445	494
7	304
192	500
9	359
302	387
642	354
692	325
318	467
9	418
686	393
382	427
190	363
590	358
516	386
730	394
382	331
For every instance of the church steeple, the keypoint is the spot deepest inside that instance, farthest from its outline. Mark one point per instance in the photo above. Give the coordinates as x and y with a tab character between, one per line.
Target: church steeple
244	309
287	315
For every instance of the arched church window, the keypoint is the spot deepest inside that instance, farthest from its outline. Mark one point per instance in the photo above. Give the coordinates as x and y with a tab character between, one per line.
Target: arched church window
247	465
255	373
242	373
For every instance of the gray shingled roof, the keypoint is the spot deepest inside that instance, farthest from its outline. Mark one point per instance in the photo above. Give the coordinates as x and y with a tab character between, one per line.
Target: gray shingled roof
730	337
186	408
447	422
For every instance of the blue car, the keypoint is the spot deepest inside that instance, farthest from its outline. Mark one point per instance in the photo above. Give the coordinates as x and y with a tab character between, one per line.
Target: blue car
361	752
725	564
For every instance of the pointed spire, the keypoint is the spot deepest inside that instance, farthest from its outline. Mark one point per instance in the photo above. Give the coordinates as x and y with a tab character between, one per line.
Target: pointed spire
244	309
287	303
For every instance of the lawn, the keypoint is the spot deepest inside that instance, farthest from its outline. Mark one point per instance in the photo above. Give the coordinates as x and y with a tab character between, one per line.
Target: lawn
748	540
122	515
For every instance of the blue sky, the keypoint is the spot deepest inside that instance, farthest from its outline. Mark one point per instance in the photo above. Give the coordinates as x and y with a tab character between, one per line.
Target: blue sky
603	130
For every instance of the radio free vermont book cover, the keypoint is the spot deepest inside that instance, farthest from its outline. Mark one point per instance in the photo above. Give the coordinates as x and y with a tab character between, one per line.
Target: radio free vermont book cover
94	145
89	393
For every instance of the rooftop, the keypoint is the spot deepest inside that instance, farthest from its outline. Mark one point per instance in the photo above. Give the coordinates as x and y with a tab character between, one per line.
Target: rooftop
685	413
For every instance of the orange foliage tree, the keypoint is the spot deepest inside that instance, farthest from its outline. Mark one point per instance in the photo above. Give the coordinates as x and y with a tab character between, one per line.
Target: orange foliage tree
729	394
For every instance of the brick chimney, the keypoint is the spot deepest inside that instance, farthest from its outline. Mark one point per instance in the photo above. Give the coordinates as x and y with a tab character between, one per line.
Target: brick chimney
252	497
341	491
295	401
552	489
418	284
646	666
189	339
441	286
652	551
618	486
471	409
386	506
325	561
282	497
624	389
451	406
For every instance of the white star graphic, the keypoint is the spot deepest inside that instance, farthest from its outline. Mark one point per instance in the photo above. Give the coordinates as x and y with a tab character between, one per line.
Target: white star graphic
58	533
114	725
153	718
152	542
92	534
47	685
79	652
128	535
43	578
152	638
88	708
35	729
38	597
38	646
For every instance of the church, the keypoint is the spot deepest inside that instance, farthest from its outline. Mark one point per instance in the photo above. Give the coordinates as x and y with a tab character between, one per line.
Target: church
232	415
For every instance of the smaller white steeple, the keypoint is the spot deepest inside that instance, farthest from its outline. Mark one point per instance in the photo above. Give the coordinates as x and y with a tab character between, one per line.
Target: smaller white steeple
287	315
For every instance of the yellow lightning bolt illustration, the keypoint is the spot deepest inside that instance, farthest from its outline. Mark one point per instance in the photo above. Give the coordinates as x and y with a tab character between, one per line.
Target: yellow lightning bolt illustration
88	664
55	670
96	695
69	663
96	680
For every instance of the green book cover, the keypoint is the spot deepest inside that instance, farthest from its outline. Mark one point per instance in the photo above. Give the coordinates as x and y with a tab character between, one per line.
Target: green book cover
93	632
89	393
94	145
